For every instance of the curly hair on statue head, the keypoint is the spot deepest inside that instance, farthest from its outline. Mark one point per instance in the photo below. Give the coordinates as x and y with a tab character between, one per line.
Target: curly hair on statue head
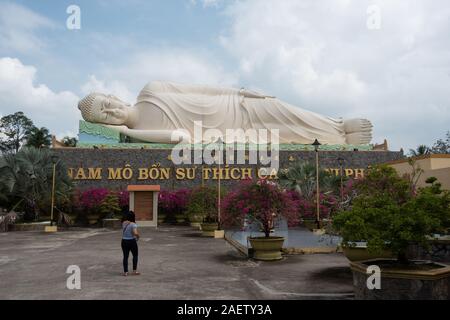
85	106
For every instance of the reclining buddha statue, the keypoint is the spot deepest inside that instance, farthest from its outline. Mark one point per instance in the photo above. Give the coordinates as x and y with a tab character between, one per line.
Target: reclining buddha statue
165	108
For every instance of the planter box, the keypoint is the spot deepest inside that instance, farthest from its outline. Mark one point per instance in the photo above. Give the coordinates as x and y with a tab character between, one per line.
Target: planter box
114	224
398	284
51	229
219	234
33	226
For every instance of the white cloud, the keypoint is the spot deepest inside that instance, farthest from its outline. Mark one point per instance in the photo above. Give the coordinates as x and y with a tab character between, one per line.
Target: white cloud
19	92
18	26
321	56
169	64
115	87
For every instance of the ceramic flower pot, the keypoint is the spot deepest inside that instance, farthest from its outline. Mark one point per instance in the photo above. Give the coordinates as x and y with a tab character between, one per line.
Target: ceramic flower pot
196	221
267	249
93	218
209	228
180	218
161	218
361	253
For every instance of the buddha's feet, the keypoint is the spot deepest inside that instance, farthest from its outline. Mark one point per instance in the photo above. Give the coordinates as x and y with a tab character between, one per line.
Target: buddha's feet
358	131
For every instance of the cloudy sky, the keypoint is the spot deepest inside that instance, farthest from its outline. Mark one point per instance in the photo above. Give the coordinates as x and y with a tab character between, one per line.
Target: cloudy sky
334	57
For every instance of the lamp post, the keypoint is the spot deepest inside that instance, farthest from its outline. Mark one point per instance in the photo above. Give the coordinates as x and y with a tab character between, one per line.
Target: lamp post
218	182
54	161
341	173
316	145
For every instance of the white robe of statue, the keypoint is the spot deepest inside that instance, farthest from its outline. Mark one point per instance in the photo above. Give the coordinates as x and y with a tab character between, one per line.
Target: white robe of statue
163	107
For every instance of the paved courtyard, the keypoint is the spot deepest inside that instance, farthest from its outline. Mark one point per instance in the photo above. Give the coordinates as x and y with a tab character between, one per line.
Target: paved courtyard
175	262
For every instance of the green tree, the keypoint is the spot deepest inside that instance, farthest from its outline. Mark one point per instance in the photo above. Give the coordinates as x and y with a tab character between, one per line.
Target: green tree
26	181
442	146
38	137
70	141
388	215
420	151
13	127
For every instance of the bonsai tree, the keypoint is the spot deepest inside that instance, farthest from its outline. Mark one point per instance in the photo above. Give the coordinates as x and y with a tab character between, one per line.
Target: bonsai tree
259	201
389	215
203	202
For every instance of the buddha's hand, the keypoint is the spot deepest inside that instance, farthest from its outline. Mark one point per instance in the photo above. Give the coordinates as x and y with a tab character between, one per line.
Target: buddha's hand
120	129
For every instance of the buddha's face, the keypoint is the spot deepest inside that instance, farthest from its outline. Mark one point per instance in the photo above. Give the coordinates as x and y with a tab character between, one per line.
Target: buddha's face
108	109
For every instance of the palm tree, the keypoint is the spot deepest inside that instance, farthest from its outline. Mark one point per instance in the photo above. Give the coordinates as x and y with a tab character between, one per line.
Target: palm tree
70	141
38	137
301	177
26	180
420	151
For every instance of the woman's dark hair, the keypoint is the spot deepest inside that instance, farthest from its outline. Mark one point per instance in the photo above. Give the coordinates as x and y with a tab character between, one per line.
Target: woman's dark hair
129	216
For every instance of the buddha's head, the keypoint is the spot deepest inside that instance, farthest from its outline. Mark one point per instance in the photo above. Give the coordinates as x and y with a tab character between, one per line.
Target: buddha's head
106	109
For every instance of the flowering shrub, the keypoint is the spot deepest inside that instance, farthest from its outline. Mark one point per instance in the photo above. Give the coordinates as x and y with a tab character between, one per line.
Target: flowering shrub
90	200
329	204
172	203
100	201
124	199
261	201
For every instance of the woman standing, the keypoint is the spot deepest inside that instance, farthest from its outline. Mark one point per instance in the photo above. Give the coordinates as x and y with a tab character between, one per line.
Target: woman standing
130	236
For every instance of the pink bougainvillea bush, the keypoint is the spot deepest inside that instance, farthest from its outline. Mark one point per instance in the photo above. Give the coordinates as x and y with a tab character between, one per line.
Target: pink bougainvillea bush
94	201
124	199
259	201
329	204
171	203
90	200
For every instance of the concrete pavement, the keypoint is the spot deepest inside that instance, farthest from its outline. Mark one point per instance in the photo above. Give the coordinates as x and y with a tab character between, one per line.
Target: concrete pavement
175	262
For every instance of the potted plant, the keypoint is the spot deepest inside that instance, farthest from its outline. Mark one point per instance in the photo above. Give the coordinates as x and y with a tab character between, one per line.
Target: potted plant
263	202
110	210
390	215
202	206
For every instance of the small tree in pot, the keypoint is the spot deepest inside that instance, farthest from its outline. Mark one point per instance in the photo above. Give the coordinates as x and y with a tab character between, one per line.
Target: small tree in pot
262	202
203	207
390	215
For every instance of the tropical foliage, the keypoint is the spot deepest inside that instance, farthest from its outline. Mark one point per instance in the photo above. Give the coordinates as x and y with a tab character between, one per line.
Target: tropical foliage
420	151
38	137
26	182
70	141
301	180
